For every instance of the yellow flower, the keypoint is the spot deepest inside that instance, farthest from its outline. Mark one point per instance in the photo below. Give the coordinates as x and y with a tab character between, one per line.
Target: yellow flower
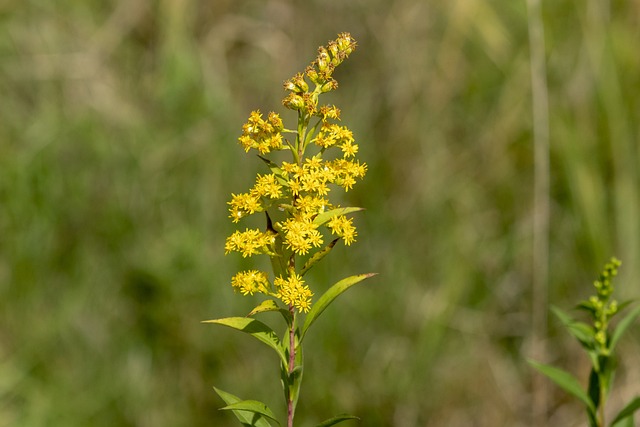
249	242
244	204
349	149
343	227
250	282
267	186
292	291
262	135
300	234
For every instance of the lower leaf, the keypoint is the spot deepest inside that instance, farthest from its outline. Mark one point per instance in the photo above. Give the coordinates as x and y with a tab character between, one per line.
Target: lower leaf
566	381
254	406
246	418
627	412
337	419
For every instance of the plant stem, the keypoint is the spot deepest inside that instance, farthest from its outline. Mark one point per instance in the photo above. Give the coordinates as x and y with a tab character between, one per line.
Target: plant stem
603	396
292	363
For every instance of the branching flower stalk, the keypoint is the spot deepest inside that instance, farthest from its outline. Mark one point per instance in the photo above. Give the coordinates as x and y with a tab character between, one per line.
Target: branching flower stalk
294	197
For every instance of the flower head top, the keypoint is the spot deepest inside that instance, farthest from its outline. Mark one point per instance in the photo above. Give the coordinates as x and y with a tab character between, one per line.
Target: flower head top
297	192
601	306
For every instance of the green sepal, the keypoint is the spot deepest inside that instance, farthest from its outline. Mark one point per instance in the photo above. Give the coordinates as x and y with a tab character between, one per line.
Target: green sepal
253	406
326	216
626	414
318	256
246	418
337	419
256	329
327	298
270	305
622	326
579	330
566	381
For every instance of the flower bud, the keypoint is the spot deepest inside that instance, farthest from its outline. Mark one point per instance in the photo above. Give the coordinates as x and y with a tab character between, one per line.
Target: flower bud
312	74
298	80
323	59
330	85
293	102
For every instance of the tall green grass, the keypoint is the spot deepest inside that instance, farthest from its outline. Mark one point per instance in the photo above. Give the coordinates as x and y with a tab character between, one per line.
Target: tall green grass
118	123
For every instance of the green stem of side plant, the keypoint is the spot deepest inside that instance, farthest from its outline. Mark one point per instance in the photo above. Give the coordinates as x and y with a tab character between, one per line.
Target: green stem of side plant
292	364
603	396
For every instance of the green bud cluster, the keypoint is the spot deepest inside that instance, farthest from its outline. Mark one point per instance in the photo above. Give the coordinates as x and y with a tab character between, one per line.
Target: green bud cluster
602	307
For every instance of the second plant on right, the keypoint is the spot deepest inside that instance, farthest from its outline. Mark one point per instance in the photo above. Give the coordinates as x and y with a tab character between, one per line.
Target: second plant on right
599	340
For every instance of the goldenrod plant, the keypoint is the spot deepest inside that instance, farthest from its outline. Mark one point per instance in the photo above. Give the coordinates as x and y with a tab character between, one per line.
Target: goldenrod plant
302	225
599	340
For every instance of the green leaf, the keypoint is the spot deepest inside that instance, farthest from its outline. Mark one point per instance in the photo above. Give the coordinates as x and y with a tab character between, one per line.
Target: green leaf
580	330
328	297
318	256
251	406
256	329
587	306
291	381
275	169
566	381
249	419
627	412
622	326
337	419
326	216
593	389
270	305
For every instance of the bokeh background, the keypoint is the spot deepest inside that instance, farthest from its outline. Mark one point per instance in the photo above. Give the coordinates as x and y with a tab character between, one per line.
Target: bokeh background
118	153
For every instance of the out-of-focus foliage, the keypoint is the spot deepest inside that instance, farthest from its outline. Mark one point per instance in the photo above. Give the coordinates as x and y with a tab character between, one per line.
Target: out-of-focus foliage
118	127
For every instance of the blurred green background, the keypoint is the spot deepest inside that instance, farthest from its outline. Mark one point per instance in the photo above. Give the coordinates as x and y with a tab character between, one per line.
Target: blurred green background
118	153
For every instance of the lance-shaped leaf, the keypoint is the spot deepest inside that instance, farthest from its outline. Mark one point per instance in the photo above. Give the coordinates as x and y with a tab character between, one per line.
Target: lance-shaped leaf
580	330
337	419
626	414
270	305
318	256
622	326
253	406
256	329
327	298
275	169
566	381
326	216
246	418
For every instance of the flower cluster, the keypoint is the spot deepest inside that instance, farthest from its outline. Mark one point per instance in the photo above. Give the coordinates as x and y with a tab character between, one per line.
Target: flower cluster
299	188
600	305
263	135
291	290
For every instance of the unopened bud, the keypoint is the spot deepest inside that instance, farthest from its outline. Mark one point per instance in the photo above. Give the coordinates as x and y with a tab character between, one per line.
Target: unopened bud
323	59
293	102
